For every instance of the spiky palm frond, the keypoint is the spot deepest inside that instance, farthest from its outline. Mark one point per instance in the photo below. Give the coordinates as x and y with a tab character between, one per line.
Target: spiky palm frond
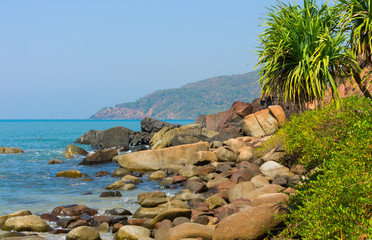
302	52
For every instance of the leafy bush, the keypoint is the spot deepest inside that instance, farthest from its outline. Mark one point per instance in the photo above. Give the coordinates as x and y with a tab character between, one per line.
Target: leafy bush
335	201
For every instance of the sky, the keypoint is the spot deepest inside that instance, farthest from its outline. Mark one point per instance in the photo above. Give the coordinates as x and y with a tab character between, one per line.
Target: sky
68	59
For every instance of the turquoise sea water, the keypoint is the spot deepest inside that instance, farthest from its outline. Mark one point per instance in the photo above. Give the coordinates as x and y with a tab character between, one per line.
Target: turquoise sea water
27	181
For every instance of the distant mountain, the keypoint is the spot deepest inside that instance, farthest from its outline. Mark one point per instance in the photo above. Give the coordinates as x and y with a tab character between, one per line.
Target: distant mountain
188	102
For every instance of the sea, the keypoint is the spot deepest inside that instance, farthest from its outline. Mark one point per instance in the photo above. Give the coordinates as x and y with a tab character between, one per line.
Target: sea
28	182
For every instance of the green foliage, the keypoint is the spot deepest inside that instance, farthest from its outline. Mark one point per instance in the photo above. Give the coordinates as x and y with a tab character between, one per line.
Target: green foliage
359	14
335	202
302	52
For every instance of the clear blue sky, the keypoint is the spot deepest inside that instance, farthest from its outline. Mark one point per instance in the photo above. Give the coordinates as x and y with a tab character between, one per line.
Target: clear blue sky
70	58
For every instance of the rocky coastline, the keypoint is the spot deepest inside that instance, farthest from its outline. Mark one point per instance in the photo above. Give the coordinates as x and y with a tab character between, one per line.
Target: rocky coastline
226	190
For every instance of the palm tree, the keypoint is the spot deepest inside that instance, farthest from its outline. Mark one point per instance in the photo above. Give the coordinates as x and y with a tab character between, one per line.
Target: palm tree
303	52
359	24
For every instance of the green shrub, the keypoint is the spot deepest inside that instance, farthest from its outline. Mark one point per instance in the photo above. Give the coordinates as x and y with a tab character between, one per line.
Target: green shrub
335	202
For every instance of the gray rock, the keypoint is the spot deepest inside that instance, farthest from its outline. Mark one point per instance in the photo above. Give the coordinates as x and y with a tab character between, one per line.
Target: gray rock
152	125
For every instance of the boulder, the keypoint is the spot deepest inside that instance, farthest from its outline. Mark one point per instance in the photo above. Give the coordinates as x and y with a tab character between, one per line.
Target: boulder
15	214
113	137
73	210
7	150
241	190
245	154
152	125
138	139
152	212
234	145
158	175
215	201
189	171
83	233
163	228
273	169
251	126
120	172
151	199
235	114
55	161
31	223
130	232
190	230
246	171
225	154
195	186
152	160
101	156
250	224
279	114
212	121
272	188
203	157
70	174
167	134
187	139
232	208
170	214
216	181
260	181
267	121
72	150
270	198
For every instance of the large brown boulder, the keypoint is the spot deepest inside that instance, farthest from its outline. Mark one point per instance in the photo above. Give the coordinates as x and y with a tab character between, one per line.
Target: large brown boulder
167	134
231	122
212	121
250	224
190	230
6	150
152	160
113	137
101	156
26	223
264	122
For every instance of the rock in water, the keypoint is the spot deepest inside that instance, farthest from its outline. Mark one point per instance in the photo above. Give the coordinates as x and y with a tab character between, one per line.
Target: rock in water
26	223
6	150
70	174
113	137
101	156
72	150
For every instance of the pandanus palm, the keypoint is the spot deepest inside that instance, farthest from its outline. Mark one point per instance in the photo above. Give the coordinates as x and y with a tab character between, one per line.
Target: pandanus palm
359	24
303	52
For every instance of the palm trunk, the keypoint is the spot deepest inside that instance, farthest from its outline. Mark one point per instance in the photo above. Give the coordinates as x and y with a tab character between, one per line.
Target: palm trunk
362	87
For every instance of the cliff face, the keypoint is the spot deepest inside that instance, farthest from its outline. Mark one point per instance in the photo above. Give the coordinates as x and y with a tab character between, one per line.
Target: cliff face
208	96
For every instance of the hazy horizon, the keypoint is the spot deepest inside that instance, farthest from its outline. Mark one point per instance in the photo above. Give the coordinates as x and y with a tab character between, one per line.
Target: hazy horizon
68	59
